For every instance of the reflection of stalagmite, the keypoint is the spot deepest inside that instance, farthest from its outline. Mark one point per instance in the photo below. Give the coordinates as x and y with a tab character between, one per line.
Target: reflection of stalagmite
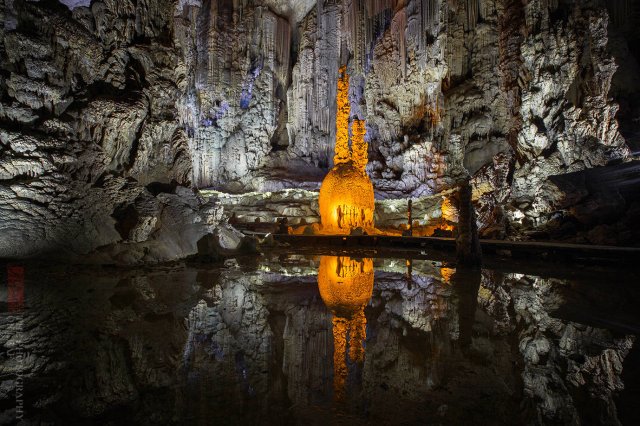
346	285
340	371
358	332
346	195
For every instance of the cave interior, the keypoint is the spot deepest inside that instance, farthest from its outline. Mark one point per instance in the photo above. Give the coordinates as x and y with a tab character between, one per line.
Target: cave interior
296	208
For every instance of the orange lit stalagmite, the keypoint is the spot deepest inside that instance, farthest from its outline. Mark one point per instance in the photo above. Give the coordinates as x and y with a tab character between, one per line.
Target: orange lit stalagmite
343	110
346	195
346	286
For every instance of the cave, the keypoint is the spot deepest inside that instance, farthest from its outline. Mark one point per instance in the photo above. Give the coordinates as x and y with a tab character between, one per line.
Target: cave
319	212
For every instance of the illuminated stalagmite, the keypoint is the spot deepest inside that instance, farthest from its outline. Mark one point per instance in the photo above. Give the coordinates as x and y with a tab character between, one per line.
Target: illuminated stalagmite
346	195
346	286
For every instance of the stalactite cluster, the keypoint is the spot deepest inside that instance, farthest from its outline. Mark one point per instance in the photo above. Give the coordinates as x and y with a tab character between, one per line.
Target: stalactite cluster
472	12
510	22
228	81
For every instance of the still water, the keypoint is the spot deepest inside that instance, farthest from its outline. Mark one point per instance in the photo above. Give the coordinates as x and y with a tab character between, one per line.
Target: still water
310	339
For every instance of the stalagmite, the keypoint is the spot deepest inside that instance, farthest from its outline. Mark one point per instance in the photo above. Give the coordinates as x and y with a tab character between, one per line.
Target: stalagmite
346	198
342	154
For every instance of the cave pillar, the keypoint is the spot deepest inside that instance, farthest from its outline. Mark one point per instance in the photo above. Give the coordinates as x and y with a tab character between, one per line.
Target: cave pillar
468	250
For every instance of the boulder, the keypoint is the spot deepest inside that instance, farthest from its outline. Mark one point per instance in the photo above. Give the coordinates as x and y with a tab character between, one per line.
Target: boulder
224	242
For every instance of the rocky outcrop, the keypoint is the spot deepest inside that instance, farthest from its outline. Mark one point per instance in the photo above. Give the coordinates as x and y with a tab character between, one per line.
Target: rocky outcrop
301	207
89	123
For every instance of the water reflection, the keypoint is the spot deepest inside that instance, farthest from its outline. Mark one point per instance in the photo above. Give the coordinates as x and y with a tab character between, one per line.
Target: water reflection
316	340
466	285
346	286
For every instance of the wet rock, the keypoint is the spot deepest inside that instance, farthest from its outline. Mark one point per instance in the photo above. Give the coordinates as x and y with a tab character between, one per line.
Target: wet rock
228	238
225	241
357	232
208	248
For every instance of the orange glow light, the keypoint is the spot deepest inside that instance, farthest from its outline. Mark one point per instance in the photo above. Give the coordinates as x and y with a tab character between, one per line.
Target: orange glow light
346	286
346	198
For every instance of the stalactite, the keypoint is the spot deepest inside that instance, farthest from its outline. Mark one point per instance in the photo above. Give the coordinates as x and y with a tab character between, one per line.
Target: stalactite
275	46
422	25
510	23
458	58
329	22
398	30
473	10
366	21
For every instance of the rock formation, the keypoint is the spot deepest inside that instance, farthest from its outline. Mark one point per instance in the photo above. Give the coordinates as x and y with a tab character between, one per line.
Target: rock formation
346	199
90	138
104	104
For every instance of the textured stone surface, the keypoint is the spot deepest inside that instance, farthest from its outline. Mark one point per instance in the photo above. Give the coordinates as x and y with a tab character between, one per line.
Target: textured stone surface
98	102
88	120
495	84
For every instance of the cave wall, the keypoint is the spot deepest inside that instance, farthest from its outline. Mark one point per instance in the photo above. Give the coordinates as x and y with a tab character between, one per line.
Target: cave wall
87	106
262	112
111	111
508	92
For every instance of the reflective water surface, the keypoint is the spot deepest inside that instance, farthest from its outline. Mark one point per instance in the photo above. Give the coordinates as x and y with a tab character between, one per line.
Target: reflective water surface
293	339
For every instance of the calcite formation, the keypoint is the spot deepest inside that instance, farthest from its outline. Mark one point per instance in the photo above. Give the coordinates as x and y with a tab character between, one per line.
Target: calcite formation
103	103
346	197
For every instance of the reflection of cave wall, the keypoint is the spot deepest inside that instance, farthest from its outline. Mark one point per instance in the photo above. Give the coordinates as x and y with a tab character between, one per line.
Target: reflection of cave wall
569	372
96	344
221	344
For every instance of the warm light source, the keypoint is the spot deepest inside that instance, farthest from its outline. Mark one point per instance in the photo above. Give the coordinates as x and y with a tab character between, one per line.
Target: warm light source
346	196
346	286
